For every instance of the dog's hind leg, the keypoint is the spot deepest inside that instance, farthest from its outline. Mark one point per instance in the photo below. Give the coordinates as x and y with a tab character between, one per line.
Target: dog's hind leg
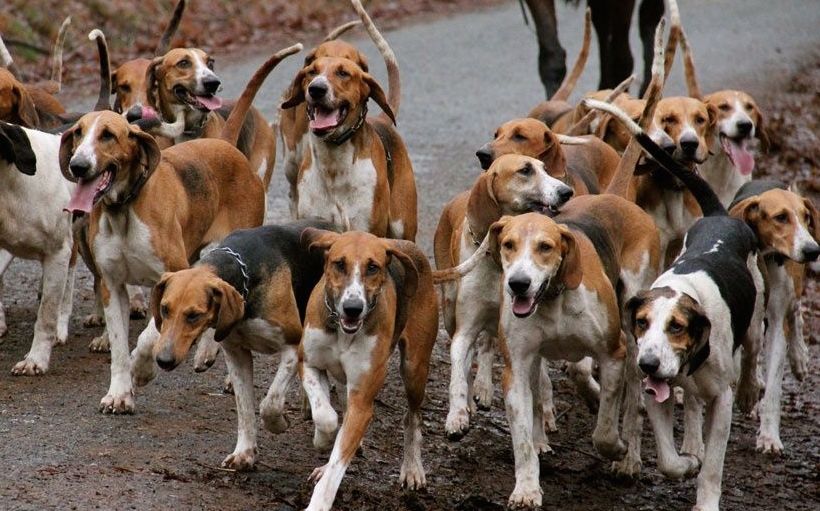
547	403
718	424
272	408
581	375
143	368
797	349
5	260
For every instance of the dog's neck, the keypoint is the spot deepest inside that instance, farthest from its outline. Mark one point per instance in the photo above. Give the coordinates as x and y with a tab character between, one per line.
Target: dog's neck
482	210
338	160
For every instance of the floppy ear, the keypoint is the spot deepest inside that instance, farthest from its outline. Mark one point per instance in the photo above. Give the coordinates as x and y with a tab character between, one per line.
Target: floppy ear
230	308
747	210
114	82
814	219
699	330
150	153
631	309
377	94
494	233
26	111
318	239
761	132
570	272
151	82
553	156
713	119
66	152
15	148
296	93
156	298
411	272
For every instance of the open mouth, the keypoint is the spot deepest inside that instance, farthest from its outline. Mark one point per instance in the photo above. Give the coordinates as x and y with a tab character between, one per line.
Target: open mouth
739	152
536	206
323	120
656	387
89	191
523	306
350	326
203	102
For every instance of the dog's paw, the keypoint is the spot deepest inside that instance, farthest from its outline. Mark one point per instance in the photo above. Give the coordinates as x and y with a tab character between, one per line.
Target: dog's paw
458	424
242	461
30	367
117	404
143	372
93	320
483	392
525	497
542	446
227	385
686	466
205	355
613	449
412	475
769	444
798	358
137	308
627	468
273	420
317	474
100	344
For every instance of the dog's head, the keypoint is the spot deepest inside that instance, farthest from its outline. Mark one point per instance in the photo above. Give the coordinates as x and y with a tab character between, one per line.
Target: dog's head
784	222
672	331
610	130
186	303
131	91
529	137
739	121
356	271
16	104
182	79
536	254
336	91
340	49
105	156
684	127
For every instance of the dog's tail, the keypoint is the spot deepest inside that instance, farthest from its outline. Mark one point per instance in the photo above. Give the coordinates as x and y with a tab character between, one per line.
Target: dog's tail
165	41
619	185
340	30
393	81
456	272
6	61
674	36
568	85
706	197
692	85
233	125
57	57
103	102
581	127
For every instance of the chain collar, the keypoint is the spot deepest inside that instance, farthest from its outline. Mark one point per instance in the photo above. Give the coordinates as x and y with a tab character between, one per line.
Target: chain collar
348	133
243	268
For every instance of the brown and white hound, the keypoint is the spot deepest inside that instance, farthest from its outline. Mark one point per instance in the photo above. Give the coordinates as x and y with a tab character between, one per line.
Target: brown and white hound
125	183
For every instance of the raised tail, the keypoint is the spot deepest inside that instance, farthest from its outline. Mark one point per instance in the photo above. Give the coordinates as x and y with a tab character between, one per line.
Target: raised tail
619	185
707	200
103	98
581	127
456	272
692	85
340	30
165	41
6	61
568	85
57	56
230	132
674	36
393	82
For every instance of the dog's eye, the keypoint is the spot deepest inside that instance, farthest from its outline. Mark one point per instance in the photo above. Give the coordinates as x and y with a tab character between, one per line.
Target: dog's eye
193	317
724	107
749	106
163	311
675	327
106	136
526	170
372	269
184	64
508	245
339	266
782	218
699	120
341	73
495	135
210	64
544	247
125	88
519	137
641	323
311	73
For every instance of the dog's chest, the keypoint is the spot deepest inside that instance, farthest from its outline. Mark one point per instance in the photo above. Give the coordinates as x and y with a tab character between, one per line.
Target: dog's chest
339	190
722	176
346	357
124	252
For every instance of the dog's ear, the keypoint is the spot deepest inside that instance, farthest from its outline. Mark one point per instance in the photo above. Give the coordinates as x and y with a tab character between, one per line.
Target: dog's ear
699	330
156	299
747	210
230	308
24	106
318	239
761	131
152	83
814	219
15	148
553	156
570	273
66	152
399	249
494	233
296	92
378	95
712	123
150	152
114	82
631	309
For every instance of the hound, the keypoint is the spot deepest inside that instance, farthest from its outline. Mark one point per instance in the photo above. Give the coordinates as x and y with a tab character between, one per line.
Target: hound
787	228
375	293
253	289
688	326
126	183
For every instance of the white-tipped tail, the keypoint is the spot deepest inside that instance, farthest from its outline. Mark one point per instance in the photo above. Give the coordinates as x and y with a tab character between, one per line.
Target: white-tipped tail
456	272
616	112
568	140
341	29
95	34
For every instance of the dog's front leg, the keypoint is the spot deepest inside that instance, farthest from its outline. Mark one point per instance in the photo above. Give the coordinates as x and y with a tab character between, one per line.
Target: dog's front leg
718	424
206	351
120	397
606	438
240	367
325	418
143	368
5	261
272	409
55	274
581	375
483	383
768	436
66	303
692	425
662	417
461	358
547	403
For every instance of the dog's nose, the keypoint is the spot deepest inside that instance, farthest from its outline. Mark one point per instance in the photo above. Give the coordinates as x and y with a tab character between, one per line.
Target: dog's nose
317	90
211	85
166	361
744	128
134	113
689	145
519	284
649	364
79	168
353	308
811	254
485	157
565	193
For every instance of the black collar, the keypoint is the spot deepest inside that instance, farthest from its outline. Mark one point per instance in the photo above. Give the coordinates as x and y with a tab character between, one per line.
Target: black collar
341	138
243	269
136	188
549	291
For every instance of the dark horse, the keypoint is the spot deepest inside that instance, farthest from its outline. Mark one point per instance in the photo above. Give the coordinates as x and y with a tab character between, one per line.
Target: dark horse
611	19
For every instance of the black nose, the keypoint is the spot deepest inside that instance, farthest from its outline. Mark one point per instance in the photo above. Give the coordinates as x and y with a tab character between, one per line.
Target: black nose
485	157
649	364
353	308
744	127
211	85
166	361
565	193
317	90
519	284
811	254
689	146
134	113
79	168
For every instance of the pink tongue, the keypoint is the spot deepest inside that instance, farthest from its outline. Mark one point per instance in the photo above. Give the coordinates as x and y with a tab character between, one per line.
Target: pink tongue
210	102
323	120
523	305
149	113
83	198
657	388
740	155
